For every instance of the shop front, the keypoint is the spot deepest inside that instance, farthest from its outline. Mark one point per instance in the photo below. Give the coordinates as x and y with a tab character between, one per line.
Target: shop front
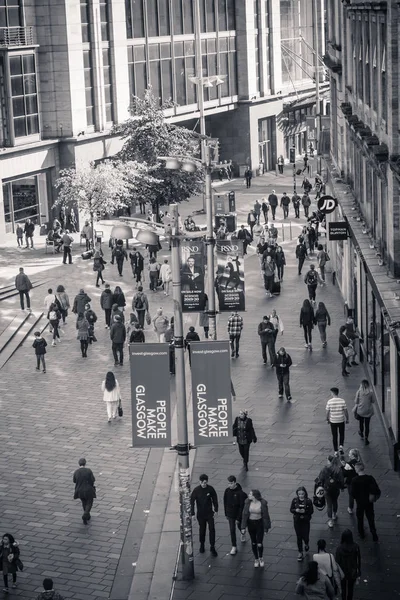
26	197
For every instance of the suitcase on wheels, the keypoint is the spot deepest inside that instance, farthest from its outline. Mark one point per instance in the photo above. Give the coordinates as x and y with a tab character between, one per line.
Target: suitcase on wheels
276	288
87	255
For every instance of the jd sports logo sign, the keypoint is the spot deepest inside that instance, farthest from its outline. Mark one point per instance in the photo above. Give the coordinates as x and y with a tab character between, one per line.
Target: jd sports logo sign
327	204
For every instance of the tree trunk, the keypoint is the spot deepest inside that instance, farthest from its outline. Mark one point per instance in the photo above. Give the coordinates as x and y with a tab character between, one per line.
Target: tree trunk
92	226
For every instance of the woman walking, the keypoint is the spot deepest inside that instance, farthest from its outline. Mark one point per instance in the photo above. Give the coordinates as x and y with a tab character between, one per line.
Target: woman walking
280	262
349	472
137	265
154	269
364	408
161	325
166	276
332	480
306	321
112	395
256	518
54	316
302	509
346	350
348	558
91	317
204	320
313	584
327	565
98	267
82	325
244	433
62	300
322	319
9	559
118	297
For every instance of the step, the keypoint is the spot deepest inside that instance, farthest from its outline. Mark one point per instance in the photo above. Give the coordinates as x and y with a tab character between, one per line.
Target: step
9	291
32	322
11	329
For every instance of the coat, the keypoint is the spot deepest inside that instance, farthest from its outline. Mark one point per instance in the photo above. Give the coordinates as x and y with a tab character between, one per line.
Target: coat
119	298
63	300
39	345
320	590
282	363
106	299
137	262
234	502
80	302
4	552
23	283
84	484
307	317
308	507
249	429
118	333
82	326
264	514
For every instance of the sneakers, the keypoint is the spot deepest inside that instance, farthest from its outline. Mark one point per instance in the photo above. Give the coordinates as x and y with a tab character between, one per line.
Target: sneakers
305	345
233	551
324	345
280	396
334	517
349	510
256	563
202	549
243	537
341	451
213	551
289	398
106	327
366	441
53	343
300	556
306	548
14	585
330	523
261	561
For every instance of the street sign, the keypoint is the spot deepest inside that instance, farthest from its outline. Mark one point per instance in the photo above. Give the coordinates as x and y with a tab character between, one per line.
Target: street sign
338	230
327	204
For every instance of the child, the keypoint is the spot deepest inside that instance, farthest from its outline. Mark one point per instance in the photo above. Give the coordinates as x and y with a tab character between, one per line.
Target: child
20	236
54	317
48	301
40	350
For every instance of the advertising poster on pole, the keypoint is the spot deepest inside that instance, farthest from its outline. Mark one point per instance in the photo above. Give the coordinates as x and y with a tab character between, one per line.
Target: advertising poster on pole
192	275
229	282
150	395
211	392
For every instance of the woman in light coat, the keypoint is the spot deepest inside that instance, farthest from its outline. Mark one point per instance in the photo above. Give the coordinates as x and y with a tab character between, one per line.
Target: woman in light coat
166	276
161	325
111	395
364	405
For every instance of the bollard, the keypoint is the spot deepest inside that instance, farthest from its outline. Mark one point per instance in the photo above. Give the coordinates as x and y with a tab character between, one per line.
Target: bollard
290	224
283	233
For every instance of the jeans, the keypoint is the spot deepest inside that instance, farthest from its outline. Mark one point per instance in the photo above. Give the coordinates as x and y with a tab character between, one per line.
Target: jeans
322	270
279	271
280	168
67	253
206	330
285	212
234	341
301	260
268	282
22	294
273	210
256	532
27	238
265	213
271	350
153	280
244	450
120	266
141	315
64	314
302	529
84	347
337	428
332	502
88	243
118	349
283	382
5	579
87	507
232	529
99	277
366	421
203	522
312	289
368	510
307	333
322	330
297	212
40	359
107	316
347	586
54	325
306	209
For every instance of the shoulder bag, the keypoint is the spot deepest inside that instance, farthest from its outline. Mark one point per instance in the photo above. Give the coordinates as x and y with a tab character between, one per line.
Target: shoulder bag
120	409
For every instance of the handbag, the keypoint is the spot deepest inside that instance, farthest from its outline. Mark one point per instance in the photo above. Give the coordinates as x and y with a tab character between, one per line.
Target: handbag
332	577
120	409
348	351
148	318
19	564
356	415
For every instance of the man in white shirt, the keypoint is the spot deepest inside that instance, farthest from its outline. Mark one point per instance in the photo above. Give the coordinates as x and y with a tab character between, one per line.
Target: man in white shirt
337	415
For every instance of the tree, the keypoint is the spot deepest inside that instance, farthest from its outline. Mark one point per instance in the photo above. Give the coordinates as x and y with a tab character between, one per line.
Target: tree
148	135
101	189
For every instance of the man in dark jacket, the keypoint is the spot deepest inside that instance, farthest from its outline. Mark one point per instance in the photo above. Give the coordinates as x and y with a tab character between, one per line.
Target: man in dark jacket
29	230
80	302
273	202
23	285
48	592
365	492
296	200
285	202
301	253
206	500
67	240
283	362
266	331
106	303
118	337
84	488
234	498
119	255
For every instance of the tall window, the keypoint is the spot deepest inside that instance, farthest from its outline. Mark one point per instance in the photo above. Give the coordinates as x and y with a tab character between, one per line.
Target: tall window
108	88
226	15
182	16
24	95
137	70
10	13
105	20
134	18
207	16
383	71
85	21
89	92
257	62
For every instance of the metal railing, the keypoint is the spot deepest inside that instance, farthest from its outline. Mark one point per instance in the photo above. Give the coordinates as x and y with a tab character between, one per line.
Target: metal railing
16	36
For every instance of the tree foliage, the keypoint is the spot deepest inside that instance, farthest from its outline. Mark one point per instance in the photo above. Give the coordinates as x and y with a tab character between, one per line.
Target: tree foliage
147	136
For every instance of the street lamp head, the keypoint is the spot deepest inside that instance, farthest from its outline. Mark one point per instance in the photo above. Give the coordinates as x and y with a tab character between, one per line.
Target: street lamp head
121	232
189	167
208	84
147	237
172	163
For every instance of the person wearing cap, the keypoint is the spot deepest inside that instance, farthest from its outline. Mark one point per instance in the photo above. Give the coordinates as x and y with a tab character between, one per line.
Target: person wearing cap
205	498
243	431
80	302
118	337
273	202
234	498
282	364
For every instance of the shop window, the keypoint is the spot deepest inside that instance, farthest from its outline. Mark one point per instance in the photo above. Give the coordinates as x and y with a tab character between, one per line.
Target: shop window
137	70
24	95
21	201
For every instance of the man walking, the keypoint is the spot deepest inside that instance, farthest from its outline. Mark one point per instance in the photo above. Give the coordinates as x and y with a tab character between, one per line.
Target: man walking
322	258
337	415
29	230
277	323
296	200
23	285
84	488
106	303
67	240
266	331
235	326
273	202
301	253
365	492
140	304
285	202
87	234
265	209
234	498
282	364
206	500
257	210
312	279
306	202
118	337
119	255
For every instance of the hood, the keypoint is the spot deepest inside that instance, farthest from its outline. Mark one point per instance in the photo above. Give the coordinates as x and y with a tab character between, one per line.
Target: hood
107	291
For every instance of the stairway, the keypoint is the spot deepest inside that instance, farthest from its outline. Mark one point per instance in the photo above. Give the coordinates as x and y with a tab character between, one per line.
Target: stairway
17	331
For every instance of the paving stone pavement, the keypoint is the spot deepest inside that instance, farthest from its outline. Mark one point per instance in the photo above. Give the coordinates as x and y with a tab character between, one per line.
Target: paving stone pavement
293	442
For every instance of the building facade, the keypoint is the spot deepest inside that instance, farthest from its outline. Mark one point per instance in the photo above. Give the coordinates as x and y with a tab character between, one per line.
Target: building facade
68	69
364	173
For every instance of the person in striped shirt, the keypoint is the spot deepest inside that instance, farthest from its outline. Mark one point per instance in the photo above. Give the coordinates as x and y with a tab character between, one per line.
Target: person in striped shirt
337	415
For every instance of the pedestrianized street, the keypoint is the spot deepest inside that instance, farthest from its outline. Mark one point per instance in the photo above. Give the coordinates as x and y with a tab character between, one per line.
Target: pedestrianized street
49	421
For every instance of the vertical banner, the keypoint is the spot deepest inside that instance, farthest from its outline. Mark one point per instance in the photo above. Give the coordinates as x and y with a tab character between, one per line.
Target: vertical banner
229	282
192	275
211	392
151	406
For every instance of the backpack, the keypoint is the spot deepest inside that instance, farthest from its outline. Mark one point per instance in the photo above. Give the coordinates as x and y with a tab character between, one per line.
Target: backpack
331	485
118	252
139	304
312	278
53	315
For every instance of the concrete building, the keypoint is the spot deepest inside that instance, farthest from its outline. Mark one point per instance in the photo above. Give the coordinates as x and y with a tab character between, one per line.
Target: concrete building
68	70
364	173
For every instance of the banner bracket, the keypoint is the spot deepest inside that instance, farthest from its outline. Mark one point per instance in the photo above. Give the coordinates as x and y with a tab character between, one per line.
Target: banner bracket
183	449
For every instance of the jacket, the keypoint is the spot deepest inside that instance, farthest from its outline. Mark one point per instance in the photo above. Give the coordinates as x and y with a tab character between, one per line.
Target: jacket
363	487
307	316
234	502
331	479
308	507
106	299
320	590
301	251
119	298
119	254
314	280
285	201
82	326
322	316
80	302
67	239
206	501
84	484
50	595
348	558
63	300
264	514
349	471
40	346
273	200
365	403
280	258
119	312
266	331
282	363
137	337
23	283
137	261
343	342
118	333
306	200
4	552
91	316
29	229
249	429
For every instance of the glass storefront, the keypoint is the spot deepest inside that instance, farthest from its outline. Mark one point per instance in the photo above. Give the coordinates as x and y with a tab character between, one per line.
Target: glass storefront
25	198
267	143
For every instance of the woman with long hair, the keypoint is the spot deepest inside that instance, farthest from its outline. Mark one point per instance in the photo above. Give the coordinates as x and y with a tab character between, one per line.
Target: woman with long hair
280	262
83	325
322	319
349	472
328	565
111	395
62	300
314	584
306	321
364	408
9	557
256	518
348	558
332	480
119	297
302	509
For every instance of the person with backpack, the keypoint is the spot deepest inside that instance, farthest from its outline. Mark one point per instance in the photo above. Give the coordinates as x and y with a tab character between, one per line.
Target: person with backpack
331	479
302	510
349	472
312	279
54	317
49	592
273	202
307	322
140	304
39	345
348	557
322	319
328	566
365	492
137	265
306	202
234	498
62	300
119	255
106	303
314	585
301	253
160	324
98	267
322	259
